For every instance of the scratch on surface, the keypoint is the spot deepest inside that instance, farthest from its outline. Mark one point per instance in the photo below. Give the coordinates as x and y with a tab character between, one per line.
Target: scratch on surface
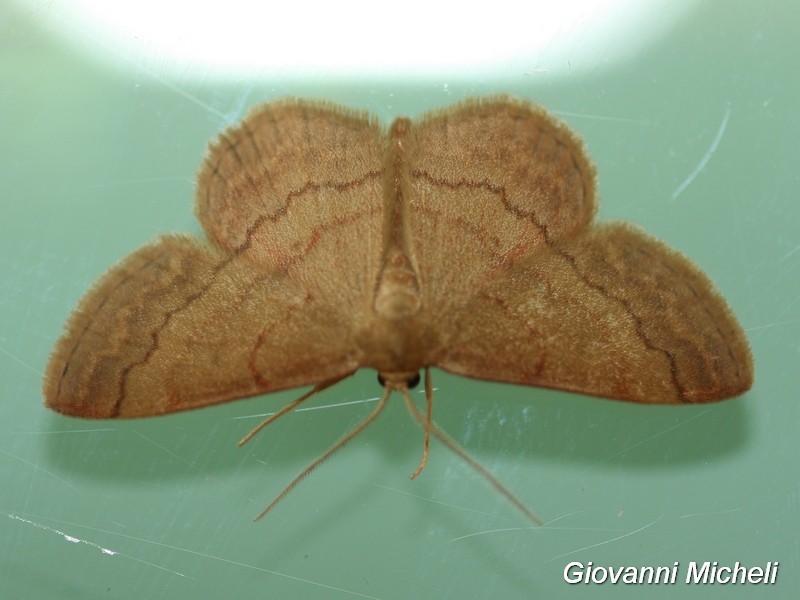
82	32
191	465
766	291
575	115
567	515
789	254
38	468
109	184
432	501
488	531
768	325
307	408
165	81
324	406
649	438
76	540
57	431
545	527
630	533
253	567
706	157
23	363
109	552
709	514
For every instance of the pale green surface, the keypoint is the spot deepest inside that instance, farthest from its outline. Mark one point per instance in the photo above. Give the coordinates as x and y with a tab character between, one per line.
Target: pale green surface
95	162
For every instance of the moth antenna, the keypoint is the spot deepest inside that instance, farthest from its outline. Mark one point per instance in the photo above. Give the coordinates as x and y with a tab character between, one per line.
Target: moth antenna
460	452
426	444
328	453
315	390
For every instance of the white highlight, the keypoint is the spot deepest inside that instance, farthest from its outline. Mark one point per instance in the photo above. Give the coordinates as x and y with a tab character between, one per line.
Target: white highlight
241	37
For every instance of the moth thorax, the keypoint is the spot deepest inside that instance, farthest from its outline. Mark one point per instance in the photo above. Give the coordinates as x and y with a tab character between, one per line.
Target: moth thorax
397	293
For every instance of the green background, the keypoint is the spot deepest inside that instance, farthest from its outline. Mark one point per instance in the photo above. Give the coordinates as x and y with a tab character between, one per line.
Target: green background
95	160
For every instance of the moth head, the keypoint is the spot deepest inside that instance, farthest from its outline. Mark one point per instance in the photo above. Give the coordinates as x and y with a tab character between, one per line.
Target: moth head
409	380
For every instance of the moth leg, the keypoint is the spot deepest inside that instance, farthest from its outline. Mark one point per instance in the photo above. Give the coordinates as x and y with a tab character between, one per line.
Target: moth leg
328	453
461	453
292	405
426	444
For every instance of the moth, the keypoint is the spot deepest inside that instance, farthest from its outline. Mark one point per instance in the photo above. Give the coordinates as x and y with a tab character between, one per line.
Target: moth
464	240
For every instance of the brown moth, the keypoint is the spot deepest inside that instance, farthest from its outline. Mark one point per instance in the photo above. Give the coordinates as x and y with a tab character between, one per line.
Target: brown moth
463	240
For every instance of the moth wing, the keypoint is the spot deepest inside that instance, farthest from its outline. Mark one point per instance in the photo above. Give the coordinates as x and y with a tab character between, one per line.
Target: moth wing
491	181
289	174
179	325
611	313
